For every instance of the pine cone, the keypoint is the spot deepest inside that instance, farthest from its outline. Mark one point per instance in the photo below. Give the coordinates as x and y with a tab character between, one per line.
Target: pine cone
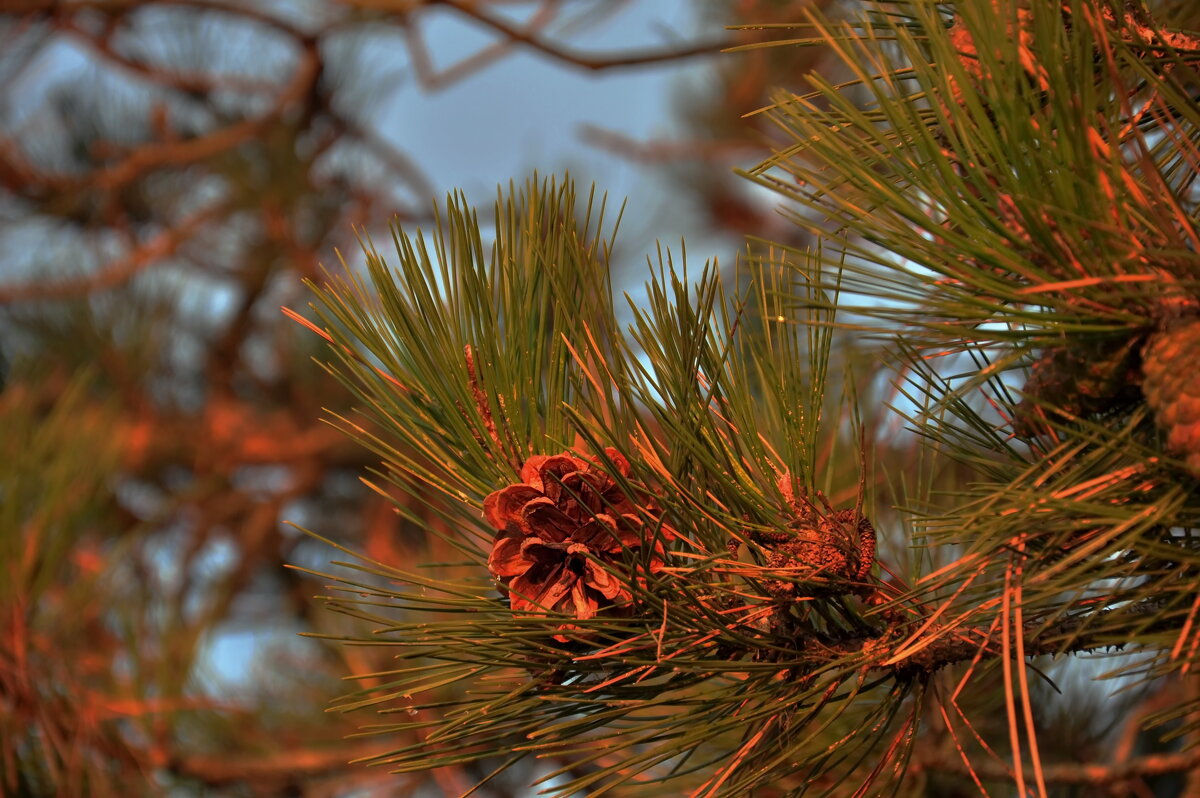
564	536
831	554
828	551
1171	385
1079	381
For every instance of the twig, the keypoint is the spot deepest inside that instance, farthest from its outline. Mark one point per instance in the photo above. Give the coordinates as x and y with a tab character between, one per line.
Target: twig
398	161
230	769
185	151
181	152
485	410
189	82
481	402
659	151
431	79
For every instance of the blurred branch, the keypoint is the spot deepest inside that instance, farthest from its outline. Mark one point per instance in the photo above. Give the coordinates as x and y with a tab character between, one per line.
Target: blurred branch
56	8
215	771
397	161
530	36
118	272
231	433
182	152
431	79
19	175
190	82
1124	748
593	61
618	143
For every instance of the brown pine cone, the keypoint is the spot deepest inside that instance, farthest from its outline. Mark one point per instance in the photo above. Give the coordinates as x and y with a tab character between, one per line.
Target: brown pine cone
823	552
831	554
565	534
1171	385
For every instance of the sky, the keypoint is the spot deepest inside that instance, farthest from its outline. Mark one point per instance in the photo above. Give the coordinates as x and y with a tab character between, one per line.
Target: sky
525	111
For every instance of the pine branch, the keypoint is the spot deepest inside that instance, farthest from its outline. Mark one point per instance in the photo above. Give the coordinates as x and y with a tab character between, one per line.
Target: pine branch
1069	635
670	580
760	606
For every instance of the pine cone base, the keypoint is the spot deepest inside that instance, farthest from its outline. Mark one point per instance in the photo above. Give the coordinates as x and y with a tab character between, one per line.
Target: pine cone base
822	552
1078	382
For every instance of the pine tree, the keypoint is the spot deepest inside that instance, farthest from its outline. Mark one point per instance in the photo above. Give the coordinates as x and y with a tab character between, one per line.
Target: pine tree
702	551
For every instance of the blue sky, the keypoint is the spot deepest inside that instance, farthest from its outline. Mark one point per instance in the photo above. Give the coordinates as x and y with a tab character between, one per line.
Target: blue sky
525	111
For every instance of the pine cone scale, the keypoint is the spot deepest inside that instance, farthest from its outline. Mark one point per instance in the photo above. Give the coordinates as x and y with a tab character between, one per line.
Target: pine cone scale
507	558
503	503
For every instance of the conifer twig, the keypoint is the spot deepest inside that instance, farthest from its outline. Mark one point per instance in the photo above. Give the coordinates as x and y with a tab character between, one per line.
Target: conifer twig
485	410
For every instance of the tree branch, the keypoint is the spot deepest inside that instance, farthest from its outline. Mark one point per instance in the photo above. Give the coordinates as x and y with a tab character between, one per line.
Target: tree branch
178	153
152	155
190	82
619	144
951	646
591	61
220	770
118	272
432	79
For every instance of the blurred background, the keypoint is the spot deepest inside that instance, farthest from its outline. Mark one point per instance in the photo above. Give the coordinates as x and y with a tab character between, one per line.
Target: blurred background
170	170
